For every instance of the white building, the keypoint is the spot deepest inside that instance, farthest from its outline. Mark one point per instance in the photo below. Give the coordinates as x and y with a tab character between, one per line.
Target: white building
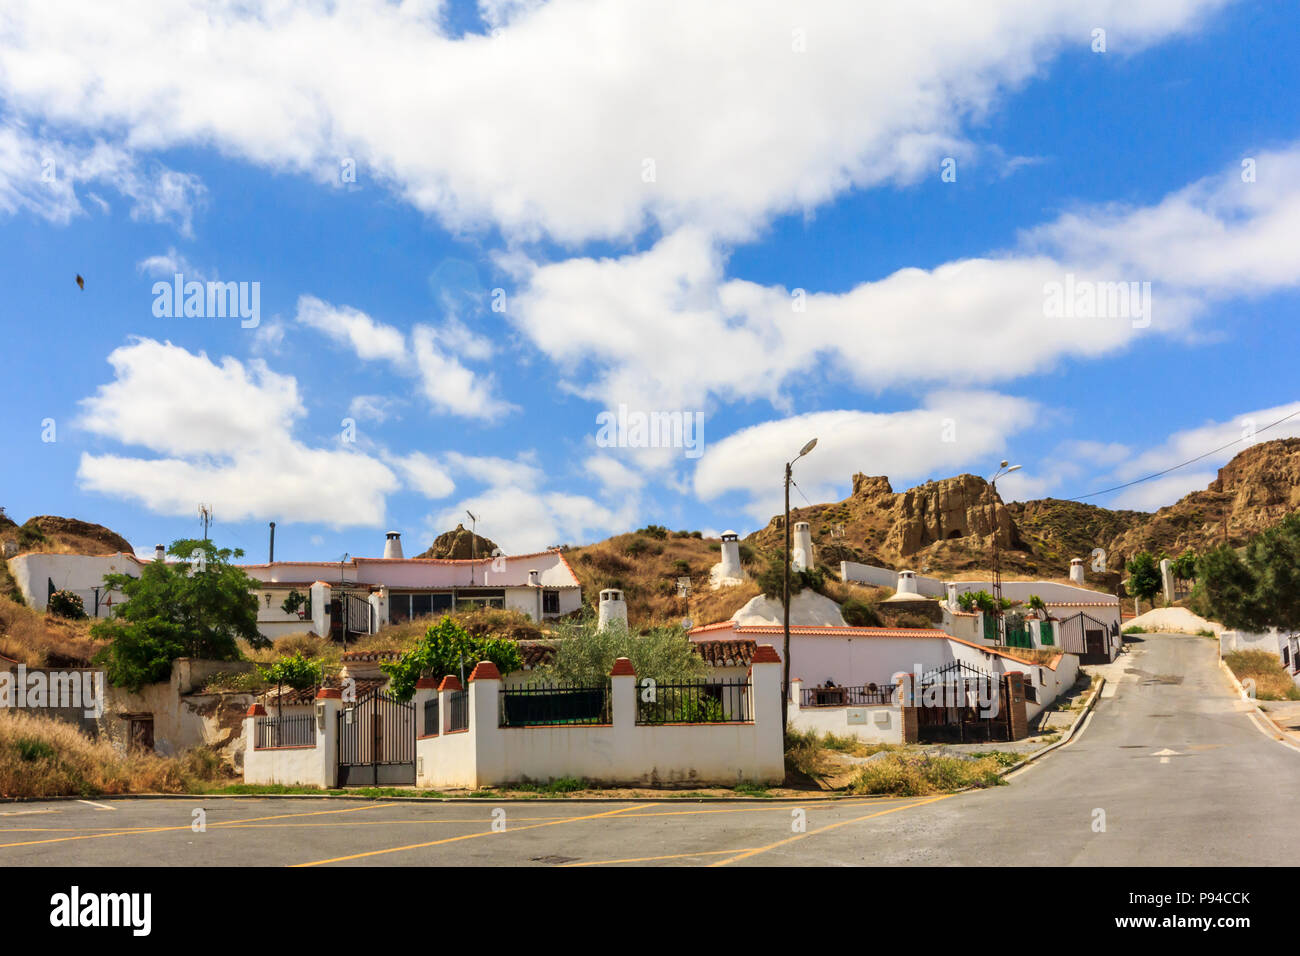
360	595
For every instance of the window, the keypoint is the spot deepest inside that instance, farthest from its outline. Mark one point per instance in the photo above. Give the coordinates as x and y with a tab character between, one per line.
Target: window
550	602
481	597
421	605
399	608
1286	655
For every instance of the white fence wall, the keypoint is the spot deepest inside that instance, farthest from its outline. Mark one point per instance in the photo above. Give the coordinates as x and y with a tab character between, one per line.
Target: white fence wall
886	578
621	752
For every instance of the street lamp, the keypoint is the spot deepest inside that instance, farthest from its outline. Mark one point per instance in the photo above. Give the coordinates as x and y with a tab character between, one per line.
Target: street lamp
997	559
785	590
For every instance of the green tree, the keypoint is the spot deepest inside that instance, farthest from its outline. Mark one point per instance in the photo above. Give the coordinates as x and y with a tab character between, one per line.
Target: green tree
1225	590
585	655
1183	567
770	579
192	608
1144	575
444	649
1037	605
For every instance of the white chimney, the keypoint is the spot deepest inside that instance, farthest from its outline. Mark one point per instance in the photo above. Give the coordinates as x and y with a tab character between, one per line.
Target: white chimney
159	553
393	544
801	550
1076	570
613	609
731	555
906	582
534	579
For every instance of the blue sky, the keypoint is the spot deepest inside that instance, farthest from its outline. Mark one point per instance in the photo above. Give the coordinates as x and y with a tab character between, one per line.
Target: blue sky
506	147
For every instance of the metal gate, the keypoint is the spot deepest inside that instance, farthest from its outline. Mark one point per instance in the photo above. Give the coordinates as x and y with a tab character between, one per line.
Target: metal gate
1086	636
960	702
376	742
350	616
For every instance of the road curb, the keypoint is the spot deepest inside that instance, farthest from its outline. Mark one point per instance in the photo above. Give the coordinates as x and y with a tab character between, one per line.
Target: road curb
466	799
1069	735
1283	734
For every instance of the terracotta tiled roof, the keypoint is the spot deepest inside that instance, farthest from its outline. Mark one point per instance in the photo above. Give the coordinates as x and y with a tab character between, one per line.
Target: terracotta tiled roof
1114	603
371	656
726	653
364	686
808	630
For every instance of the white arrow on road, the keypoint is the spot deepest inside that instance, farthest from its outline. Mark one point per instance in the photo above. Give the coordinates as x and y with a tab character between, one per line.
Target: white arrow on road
1165	754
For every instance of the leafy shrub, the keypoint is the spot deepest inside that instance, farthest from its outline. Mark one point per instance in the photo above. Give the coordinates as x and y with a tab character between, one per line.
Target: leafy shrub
67	604
859	613
635	546
654	531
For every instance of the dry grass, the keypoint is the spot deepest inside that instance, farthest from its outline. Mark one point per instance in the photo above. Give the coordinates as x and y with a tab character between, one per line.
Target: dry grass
1030	655
646	568
1272	682
914	775
710	607
40	757
43	640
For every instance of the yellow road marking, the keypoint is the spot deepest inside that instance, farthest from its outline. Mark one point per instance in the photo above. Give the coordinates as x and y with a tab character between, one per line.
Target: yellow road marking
467	836
186	826
831	826
649	859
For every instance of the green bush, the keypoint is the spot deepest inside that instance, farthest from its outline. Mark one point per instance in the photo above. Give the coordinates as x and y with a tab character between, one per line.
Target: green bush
66	604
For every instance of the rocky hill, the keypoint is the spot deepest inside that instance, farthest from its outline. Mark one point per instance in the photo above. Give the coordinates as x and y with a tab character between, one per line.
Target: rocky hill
66	535
459	543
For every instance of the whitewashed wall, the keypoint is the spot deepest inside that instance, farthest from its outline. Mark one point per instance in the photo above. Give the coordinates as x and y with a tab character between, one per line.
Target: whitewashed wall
873	724
622	752
887	578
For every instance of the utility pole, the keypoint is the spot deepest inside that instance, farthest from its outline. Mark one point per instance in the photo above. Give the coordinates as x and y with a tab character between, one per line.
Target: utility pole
997	554
785	588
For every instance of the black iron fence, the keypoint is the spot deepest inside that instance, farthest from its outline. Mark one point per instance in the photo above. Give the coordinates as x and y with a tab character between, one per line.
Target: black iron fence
539	704
431	716
296	730
458	711
860	696
694	702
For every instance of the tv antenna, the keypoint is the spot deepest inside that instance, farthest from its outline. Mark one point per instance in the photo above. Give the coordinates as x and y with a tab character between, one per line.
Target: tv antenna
473	544
205	515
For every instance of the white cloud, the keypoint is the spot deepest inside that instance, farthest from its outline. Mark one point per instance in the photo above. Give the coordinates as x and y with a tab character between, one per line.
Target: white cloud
963	323
369	339
953	429
166	265
40	176
373	408
747	110
425	475
431	355
615	477
225	436
1236	434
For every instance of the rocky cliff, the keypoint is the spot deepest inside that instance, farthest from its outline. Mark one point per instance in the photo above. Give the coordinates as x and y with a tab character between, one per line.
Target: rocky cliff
459	543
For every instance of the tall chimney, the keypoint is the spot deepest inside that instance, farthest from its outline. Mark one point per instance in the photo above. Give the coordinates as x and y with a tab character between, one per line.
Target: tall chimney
393	544
271	557
613	609
801	553
906	583
534	579
159	553
1076	570
731	555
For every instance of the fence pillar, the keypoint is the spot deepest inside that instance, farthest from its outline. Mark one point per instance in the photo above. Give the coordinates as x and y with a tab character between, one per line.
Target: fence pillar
796	694
250	735
1013	688
765	709
485	724
320	609
623	693
329	701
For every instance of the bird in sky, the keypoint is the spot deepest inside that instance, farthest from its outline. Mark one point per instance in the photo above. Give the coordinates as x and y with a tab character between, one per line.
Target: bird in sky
81	283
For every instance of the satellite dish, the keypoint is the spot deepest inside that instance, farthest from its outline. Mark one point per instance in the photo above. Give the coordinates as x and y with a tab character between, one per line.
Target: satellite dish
687	624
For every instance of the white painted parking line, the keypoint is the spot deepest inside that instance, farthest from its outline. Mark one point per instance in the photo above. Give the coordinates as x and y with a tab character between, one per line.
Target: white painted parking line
97	806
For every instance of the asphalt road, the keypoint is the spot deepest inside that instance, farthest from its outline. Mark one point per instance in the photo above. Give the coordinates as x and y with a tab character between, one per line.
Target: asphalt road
1222	794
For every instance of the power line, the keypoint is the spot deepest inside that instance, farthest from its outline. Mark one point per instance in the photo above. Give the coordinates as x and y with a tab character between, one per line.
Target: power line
1158	474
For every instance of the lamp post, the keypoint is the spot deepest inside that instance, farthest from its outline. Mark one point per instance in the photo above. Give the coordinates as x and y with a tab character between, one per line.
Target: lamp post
997	558
785	589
